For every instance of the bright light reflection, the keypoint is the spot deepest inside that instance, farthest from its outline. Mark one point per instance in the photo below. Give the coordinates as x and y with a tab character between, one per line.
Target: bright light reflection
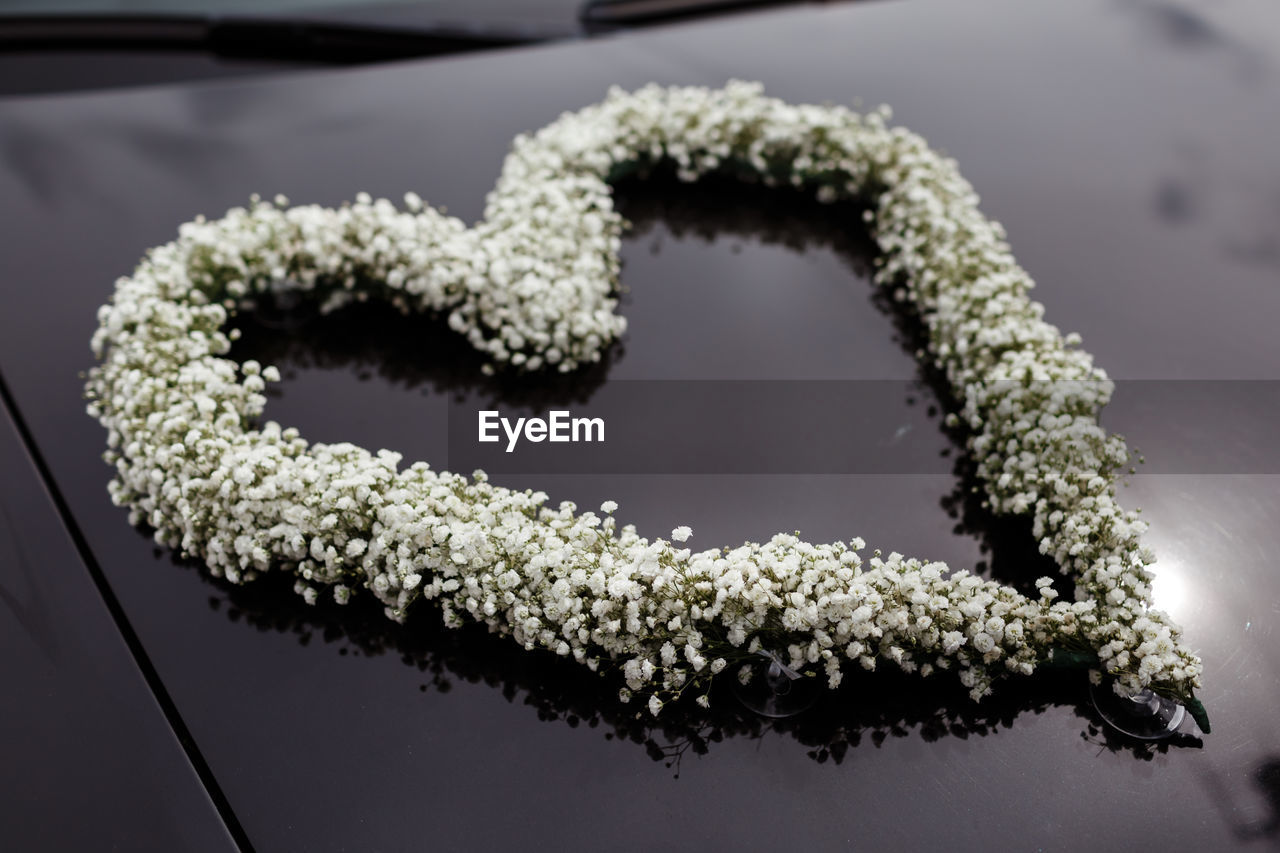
1169	587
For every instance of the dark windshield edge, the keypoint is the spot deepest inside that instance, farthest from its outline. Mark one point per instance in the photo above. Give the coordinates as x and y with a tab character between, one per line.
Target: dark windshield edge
274	38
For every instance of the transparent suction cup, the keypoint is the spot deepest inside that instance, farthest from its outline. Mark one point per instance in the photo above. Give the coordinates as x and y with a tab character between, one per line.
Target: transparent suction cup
282	310
1143	715
775	689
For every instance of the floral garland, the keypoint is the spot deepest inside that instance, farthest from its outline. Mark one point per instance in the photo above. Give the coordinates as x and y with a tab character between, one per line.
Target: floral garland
532	286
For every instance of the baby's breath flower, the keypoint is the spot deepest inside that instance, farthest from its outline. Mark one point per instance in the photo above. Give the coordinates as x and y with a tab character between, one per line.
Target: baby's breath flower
533	286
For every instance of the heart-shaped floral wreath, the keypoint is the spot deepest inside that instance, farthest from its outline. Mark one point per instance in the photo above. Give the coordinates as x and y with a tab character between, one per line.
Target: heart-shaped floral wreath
532	285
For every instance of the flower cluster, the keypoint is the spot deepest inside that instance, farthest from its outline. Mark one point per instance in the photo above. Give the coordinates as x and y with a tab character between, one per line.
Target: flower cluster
533	286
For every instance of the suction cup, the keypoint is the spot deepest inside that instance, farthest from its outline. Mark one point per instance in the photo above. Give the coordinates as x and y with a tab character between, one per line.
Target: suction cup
775	689
1143	715
282	310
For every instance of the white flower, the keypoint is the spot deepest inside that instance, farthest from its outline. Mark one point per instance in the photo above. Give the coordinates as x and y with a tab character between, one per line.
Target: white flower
681	534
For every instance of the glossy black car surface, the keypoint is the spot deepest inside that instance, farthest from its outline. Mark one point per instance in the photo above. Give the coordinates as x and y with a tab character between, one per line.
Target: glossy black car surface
1128	148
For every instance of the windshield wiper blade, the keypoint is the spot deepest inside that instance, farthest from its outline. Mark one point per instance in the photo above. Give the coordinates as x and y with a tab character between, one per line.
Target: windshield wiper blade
626	13
247	37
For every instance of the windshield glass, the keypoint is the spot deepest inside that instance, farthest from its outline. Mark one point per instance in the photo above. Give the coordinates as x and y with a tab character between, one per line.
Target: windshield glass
67	45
